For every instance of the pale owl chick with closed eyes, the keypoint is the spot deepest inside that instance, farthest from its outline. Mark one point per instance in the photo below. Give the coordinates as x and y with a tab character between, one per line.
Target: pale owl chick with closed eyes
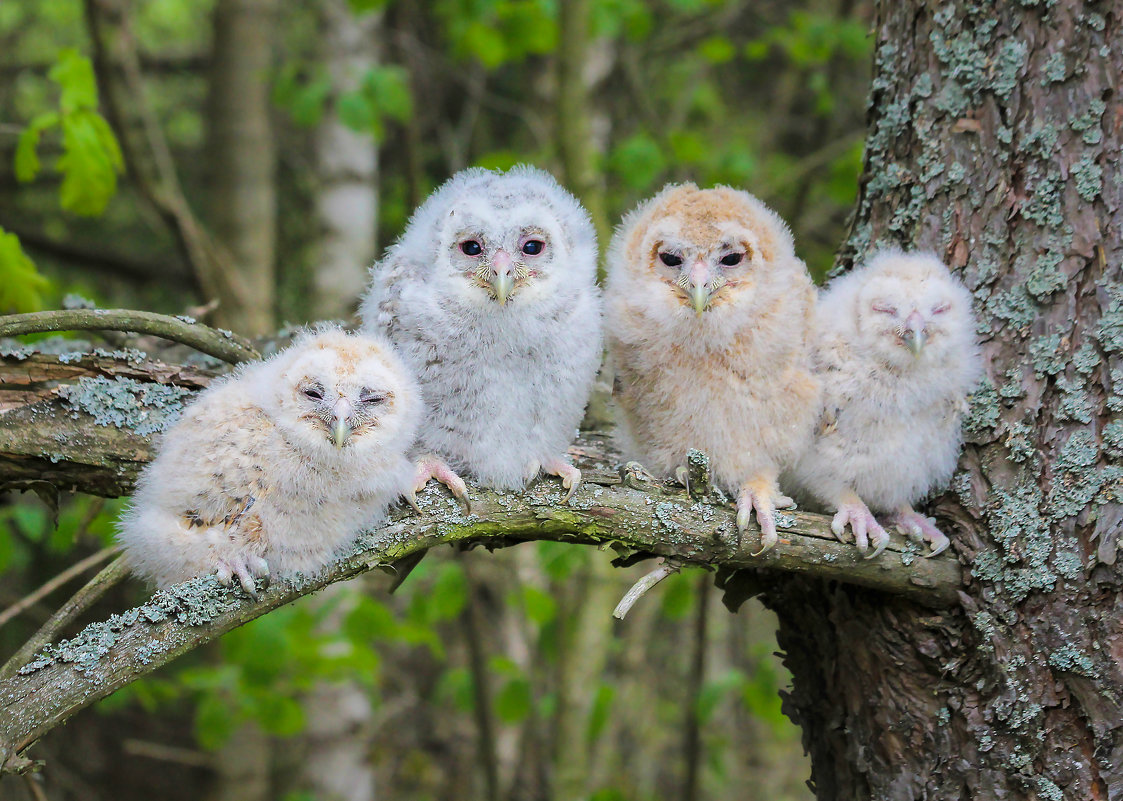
896	350
708	322
491	297
275	467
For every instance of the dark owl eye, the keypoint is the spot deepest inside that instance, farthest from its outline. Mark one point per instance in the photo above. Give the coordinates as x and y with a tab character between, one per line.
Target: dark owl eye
371	397
533	247
313	392
670	259
470	247
732	259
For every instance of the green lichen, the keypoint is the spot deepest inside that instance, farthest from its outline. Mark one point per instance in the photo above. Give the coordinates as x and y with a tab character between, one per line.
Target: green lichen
1045	202
1109	332
1095	21
1075	403
1087	359
1089	178
122	402
1054	69
1076	478
1019	441
1024	539
1071	659
1048	355
1088	123
1013	305
1008	67
1045	278
1047	790
1069	564
983	411
1013	389
1113	439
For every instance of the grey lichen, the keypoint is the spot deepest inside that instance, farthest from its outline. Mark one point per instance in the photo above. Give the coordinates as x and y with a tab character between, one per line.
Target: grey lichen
983	411
1054	68
1048	355
1087	359
1089	178
1045	278
1013	389
1076	478
1075	403
1019	440
1089	123
1113	439
124	403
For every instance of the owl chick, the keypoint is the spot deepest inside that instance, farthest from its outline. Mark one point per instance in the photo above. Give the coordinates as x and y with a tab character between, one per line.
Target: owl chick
491	297
278	465
708	321
895	347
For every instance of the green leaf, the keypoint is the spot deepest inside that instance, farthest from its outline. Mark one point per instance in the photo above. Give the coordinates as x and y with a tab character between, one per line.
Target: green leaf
278	714
360	7
356	111
456	685
717	50
513	701
540	606
27	158
389	92
89	169
638	161
215	721
678	595
450	592
74	75
485	44
21	284
600	712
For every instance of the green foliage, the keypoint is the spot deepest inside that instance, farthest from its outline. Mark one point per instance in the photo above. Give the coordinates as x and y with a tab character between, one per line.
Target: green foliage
21	284
91	159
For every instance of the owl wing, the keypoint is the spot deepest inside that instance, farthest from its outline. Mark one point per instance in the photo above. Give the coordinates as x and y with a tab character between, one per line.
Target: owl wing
830	360
389	279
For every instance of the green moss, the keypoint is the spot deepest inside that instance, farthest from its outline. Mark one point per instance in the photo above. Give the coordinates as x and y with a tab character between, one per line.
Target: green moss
1089	178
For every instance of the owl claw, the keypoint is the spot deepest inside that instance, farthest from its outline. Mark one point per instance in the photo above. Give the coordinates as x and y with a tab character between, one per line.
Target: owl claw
921	529
246	569
760	502
432	467
411	500
570	475
863	524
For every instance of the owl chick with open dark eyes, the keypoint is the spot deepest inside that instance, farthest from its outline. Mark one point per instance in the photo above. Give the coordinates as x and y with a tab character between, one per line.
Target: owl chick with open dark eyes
896	349
274	468
708	320
490	295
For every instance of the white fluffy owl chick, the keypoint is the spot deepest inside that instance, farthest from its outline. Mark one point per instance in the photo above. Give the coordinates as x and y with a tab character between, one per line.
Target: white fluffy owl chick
896	350
490	295
277	466
708	324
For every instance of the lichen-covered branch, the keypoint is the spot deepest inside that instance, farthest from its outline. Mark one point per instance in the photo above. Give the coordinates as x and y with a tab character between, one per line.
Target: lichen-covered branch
107	655
214	342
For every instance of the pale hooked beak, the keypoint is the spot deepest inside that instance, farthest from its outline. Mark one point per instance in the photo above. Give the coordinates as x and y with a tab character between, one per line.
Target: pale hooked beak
698	280
503	282
340	428
915	335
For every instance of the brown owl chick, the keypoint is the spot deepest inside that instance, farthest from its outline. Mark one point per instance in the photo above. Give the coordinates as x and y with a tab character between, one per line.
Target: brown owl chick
708	322
277	466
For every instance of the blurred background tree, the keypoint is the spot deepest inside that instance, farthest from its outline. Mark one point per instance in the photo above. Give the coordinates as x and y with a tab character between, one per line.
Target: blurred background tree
168	154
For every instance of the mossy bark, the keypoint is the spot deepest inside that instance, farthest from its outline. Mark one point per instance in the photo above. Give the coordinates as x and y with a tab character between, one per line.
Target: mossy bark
995	132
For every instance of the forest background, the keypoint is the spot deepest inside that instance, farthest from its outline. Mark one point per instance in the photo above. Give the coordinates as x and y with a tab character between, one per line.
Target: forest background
300	136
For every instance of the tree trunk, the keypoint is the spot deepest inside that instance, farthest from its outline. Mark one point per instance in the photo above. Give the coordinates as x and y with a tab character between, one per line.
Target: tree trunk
994	138
240	151
347	169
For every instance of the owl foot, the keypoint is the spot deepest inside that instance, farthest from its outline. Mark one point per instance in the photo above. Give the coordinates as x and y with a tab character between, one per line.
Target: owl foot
866	529
247	569
760	498
431	467
921	529
570	475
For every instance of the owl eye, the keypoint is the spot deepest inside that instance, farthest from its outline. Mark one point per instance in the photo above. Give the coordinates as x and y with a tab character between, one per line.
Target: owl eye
940	309
670	259
313	392
470	247
732	259
533	247
371	397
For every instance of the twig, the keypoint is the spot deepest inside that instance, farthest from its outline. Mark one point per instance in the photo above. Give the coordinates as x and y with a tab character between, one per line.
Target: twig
168	753
473	634
640	588
696	680
100	584
62	578
33	787
220	344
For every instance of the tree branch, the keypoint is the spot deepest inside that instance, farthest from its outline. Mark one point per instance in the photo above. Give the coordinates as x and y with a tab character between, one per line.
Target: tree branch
214	342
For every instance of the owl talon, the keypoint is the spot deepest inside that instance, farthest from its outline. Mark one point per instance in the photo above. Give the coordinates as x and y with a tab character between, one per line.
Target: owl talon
432	467
411	500
246	570
760	503
570	475
863	524
921	529
682	476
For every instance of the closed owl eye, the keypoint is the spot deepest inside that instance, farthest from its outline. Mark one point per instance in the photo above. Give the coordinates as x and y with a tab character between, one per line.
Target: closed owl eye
371	397
941	308
314	391
670	259
883	308
470	247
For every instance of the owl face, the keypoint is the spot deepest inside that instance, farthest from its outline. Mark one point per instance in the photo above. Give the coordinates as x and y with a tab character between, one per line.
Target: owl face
502	253
707	249
341	393
912	312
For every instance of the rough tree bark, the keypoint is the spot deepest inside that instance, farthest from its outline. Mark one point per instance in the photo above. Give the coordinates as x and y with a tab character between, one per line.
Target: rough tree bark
240	153
995	134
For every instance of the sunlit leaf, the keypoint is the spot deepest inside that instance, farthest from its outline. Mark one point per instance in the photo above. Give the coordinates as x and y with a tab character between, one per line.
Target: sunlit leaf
21	284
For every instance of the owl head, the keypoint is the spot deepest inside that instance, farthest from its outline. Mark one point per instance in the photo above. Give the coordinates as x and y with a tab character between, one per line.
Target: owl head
336	395
701	253
909	311
501	240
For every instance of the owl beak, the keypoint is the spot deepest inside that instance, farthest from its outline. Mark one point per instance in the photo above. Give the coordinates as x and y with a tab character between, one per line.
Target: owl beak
340	428
699	281
915	334
504	280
